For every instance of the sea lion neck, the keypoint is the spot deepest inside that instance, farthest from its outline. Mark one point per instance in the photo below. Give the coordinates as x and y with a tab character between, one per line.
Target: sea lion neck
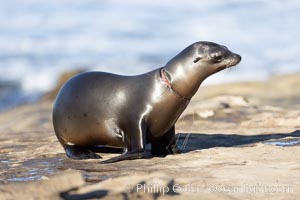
183	78
165	76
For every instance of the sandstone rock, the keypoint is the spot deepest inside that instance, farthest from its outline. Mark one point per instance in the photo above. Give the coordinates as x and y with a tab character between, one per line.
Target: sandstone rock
232	101
129	187
46	189
206	114
207	108
61	80
230	141
274	119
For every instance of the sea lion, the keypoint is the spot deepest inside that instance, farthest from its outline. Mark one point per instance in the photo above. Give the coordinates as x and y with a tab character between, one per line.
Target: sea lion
98	108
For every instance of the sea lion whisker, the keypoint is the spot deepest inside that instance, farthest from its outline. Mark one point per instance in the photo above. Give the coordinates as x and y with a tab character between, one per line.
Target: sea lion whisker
177	139
185	142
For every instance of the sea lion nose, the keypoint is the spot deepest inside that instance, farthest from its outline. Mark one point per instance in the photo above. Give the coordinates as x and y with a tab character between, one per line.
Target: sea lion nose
238	57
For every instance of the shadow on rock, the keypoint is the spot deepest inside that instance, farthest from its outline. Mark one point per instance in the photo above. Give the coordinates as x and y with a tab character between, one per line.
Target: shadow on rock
94	194
198	141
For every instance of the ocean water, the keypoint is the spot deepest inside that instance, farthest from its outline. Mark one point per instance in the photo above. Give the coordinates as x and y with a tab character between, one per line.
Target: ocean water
41	39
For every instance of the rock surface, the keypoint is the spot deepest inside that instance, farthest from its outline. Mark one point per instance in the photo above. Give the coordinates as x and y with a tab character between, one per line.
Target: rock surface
240	140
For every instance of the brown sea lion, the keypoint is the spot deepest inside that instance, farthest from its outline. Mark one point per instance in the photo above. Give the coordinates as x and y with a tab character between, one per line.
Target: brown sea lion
99	108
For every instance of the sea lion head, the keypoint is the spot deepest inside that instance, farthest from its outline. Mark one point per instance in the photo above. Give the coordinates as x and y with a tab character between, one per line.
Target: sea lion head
210	57
204	57
198	61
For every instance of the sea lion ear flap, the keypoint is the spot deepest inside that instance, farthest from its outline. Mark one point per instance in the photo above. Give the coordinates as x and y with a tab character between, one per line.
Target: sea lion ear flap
197	59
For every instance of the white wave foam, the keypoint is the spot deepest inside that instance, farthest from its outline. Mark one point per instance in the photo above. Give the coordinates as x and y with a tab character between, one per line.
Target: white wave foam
41	40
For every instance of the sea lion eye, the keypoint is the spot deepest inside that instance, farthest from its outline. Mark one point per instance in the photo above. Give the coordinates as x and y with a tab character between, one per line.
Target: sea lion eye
217	58
197	59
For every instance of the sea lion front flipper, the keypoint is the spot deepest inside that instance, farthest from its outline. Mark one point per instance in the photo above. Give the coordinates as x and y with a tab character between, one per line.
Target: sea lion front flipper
80	153
128	156
165	144
134	144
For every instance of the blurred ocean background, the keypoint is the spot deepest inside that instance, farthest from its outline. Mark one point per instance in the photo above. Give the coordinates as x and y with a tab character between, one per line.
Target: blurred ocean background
41	39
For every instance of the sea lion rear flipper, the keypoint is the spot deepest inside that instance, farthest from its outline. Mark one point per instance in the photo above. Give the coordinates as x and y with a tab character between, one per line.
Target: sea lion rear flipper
80	153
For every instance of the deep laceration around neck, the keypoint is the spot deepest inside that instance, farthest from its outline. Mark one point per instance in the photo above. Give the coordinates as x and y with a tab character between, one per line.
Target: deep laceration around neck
185	82
165	76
